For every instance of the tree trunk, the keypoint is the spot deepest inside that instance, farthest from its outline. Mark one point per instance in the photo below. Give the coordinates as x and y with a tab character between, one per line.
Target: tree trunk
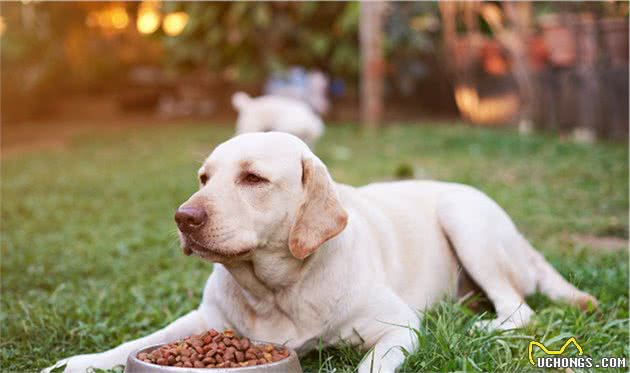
372	64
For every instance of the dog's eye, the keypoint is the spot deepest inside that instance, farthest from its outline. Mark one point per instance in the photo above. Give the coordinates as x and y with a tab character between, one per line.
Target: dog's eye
203	179
253	179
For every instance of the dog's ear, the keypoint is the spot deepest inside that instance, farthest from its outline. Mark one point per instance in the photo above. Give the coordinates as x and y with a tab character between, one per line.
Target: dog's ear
321	216
240	100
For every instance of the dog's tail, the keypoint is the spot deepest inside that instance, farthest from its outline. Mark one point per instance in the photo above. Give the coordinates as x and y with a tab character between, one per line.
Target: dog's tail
552	284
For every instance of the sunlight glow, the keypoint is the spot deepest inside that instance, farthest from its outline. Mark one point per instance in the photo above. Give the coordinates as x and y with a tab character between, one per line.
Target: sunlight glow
174	23
119	18
148	18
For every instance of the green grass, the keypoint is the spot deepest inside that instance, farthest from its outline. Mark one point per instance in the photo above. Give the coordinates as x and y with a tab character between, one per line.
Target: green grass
90	257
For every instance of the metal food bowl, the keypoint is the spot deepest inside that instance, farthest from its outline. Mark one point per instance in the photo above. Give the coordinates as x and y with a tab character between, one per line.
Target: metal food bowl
289	365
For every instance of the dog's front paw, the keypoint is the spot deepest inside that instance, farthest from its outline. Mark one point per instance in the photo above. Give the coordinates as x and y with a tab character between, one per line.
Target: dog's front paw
81	364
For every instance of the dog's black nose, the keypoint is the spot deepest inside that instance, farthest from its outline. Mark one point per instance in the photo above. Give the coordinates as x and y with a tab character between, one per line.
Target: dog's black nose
189	219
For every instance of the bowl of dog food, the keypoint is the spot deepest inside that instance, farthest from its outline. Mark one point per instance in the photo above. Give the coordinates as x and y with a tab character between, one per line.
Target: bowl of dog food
214	352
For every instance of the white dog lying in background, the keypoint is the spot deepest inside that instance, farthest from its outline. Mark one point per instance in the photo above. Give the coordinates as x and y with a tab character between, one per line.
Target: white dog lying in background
277	113
301	259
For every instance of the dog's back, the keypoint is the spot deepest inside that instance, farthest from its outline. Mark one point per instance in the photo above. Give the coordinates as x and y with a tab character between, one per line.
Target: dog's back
412	252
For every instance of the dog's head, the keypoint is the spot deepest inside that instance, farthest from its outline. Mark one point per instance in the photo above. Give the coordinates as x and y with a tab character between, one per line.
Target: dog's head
248	119
260	191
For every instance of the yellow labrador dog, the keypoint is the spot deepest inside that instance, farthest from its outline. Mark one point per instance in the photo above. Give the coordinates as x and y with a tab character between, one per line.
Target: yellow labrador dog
301	259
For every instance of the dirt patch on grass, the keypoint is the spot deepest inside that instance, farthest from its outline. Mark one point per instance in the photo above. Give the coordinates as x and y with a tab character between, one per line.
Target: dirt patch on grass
600	243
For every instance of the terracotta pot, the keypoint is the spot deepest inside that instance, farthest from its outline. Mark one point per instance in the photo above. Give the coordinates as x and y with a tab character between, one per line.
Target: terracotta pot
493	58
560	40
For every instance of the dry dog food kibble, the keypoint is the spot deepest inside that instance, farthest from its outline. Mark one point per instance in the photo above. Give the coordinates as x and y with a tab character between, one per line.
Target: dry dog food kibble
213	349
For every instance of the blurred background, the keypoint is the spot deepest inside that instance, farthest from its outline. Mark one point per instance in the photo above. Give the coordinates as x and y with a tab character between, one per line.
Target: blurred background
557	67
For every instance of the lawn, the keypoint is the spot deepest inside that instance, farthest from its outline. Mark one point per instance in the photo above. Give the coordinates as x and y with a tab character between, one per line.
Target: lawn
90	257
